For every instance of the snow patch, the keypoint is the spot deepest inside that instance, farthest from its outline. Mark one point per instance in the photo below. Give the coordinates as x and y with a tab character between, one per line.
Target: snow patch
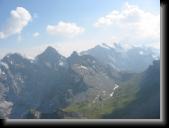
111	94
96	98
116	86
83	67
155	57
2	72
4	64
61	63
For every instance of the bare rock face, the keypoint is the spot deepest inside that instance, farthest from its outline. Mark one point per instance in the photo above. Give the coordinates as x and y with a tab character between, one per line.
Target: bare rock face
5	109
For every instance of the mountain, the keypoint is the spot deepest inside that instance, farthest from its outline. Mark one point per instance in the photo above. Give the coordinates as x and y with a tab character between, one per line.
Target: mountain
50	81
51	58
45	81
135	59
79	86
147	103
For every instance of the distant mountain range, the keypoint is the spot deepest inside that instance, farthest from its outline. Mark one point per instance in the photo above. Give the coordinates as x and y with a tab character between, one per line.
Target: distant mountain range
90	84
135	59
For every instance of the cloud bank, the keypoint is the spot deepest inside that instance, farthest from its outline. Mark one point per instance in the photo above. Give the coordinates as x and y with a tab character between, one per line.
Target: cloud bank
132	20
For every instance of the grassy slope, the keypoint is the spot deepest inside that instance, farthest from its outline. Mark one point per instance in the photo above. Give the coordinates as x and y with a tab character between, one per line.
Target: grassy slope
122	97
147	104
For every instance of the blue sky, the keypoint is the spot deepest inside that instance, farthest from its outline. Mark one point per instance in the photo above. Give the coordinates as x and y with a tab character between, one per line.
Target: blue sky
71	25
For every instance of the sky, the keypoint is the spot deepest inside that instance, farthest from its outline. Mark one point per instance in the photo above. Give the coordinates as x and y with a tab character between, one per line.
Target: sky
29	26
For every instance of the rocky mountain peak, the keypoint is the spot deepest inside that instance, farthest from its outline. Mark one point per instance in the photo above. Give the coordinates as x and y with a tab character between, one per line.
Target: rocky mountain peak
50	55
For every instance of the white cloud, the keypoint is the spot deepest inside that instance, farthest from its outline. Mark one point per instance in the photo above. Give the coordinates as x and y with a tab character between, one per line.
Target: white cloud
65	29
129	14
19	18
132	23
36	34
